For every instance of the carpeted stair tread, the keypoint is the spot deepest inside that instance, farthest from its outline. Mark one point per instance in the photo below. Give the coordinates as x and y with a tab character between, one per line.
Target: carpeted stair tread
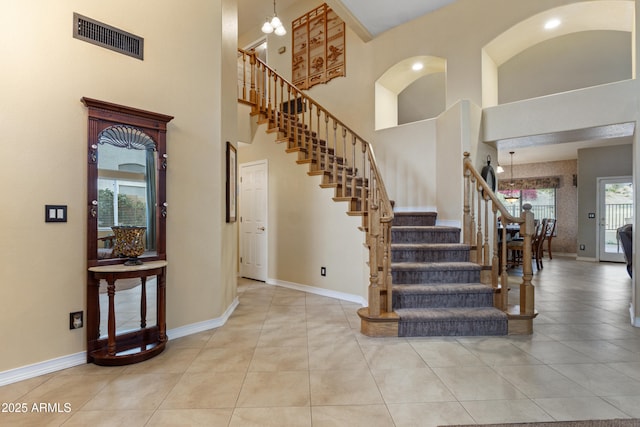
435	266
424	234
414	218
429	252
436	289
431	246
439	228
416	314
442	295
476	321
442	288
435	272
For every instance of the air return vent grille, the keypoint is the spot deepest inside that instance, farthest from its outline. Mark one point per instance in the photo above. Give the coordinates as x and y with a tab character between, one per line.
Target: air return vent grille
109	37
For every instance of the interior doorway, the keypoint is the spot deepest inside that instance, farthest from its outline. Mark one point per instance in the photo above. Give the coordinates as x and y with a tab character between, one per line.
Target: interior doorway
254	184
615	209
260	48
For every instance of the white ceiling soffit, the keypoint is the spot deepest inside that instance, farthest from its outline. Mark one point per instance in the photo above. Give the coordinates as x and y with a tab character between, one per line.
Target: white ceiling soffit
617	15
534	148
378	16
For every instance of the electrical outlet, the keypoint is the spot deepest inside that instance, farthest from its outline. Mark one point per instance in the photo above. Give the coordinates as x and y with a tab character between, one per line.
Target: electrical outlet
76	320
582	247
323	271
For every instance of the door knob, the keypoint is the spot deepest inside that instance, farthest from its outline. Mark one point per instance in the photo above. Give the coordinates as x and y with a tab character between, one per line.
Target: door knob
261	228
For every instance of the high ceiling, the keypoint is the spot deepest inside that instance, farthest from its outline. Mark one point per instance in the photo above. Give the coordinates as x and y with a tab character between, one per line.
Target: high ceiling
373	17
376	16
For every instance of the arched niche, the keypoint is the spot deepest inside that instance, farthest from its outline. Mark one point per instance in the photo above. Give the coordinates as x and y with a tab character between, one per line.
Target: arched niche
577	22
417	83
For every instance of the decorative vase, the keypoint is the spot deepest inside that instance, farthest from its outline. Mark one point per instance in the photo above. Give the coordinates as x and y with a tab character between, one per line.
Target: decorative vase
129	242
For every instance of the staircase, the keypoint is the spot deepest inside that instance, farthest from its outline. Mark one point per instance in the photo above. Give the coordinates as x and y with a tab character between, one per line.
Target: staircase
437	291
422	280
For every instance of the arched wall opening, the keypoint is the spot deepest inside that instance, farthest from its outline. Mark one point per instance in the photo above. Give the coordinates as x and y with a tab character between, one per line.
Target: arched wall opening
591	43
411	90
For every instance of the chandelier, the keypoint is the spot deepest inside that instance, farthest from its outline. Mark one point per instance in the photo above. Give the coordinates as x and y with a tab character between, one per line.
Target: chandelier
511	195
274	25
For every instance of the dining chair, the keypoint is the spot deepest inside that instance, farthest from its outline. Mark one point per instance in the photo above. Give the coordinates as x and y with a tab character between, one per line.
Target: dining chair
537	239
551	229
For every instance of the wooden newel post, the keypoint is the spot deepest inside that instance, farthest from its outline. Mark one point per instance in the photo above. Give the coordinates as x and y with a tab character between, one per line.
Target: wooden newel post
253	96
466	236
526	288
374	289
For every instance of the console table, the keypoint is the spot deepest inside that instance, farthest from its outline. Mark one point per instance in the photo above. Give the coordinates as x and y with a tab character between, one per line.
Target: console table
134	346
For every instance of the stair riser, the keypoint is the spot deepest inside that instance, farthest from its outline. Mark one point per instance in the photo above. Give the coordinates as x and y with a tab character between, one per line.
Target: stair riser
427	255
442	300
453	328
414	220
435	276
424	236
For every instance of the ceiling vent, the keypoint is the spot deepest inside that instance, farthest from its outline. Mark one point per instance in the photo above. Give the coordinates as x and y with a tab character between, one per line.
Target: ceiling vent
109	37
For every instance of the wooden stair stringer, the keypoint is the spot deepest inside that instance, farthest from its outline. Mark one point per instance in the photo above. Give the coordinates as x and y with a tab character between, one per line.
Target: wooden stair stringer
308	138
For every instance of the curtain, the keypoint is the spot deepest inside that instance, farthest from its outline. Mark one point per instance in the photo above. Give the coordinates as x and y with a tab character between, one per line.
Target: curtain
150	176
529	183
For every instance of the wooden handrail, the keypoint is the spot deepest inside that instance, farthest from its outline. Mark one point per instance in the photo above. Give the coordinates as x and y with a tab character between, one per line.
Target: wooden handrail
488	250
334	151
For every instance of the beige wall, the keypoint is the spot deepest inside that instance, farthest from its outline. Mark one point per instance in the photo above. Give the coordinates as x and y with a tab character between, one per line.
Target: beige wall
43	156
306	229
594	163
410	180
606	54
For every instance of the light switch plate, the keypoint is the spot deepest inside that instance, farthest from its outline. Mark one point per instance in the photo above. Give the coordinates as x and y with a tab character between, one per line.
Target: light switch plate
55	213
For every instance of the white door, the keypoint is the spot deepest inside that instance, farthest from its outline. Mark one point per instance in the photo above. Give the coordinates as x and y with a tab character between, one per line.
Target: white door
615	209
253	220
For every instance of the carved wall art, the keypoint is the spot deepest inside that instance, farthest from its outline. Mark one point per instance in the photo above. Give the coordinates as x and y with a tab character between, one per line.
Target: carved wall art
318	47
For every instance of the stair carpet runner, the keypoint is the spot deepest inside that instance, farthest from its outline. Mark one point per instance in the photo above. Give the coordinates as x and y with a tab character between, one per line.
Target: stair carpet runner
436	290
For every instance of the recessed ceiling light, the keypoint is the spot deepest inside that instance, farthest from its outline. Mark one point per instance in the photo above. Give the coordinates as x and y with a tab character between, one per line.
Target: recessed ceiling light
417	66
551	24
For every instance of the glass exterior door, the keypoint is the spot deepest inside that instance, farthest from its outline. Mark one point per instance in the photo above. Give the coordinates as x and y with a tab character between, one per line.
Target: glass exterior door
615	201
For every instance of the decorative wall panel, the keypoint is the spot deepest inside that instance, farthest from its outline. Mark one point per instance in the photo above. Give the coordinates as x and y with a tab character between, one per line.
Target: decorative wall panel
318	47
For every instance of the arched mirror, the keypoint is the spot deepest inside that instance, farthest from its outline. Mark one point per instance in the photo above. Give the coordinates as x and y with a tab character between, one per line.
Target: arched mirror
126	179
126	188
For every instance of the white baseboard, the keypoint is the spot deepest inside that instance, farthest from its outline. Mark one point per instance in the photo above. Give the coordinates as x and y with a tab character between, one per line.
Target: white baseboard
319	291
194	328
635	321
64	362
42	368
565	254
581	258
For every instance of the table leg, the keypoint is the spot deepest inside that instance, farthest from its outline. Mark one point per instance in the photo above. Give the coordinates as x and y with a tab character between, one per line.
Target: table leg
111	332
160	307
143	304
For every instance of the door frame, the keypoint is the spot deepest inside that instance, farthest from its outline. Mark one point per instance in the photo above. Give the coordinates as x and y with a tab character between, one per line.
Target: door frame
600	181
241	208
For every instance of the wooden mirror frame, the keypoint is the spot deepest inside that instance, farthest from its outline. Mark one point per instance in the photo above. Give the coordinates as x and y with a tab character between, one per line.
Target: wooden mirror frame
102	115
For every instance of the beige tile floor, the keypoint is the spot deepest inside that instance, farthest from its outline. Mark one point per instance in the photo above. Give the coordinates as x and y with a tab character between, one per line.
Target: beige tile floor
286	358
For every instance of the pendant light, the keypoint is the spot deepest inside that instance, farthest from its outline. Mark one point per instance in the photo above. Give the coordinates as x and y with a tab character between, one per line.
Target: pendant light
274	25
511	196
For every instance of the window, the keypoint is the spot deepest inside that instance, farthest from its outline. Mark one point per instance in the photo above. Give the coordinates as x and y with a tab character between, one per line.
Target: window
121	203
542	201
